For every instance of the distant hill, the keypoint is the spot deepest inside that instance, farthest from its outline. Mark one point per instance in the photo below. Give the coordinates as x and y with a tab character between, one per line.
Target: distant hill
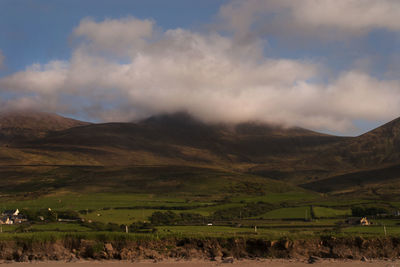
15	125
371	159
179	138
379	146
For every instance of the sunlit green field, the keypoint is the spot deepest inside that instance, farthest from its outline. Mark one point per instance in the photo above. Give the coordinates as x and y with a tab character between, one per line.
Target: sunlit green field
374	230
280	197
222	231
288	213
322	212
72	201
120	216
49	227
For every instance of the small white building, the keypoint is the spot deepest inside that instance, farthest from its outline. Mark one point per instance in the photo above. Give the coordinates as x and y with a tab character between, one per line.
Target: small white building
11	212
6	220
364	221
11	216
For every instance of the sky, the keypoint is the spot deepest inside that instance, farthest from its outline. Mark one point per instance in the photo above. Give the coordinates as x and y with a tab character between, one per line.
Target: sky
330	66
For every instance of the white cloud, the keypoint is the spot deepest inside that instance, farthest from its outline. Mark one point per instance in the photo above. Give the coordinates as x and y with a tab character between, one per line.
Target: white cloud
209	75
118	36
1	59
317	17
38	78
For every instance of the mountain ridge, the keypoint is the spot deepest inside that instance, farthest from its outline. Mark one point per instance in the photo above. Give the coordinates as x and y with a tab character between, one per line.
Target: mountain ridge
33	124
294	155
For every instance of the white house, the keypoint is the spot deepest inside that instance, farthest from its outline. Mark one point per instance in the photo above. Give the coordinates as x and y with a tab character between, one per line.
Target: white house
6	220
11	216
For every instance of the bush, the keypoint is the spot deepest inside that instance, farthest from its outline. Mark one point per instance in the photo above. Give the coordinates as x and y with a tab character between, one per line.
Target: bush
86	211
368	211
68	214
99	226
164	218
250	210
36	215
172	218
141	227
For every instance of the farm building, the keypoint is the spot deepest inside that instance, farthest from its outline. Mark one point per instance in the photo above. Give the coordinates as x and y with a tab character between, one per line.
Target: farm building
5	220
11	213
358	221
12	217
364	221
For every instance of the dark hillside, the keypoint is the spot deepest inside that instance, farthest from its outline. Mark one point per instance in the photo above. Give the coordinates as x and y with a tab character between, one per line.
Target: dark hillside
22	125
179	136
298	156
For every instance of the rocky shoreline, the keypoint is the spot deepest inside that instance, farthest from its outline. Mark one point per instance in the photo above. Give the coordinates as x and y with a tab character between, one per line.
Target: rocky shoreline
215	249
203	263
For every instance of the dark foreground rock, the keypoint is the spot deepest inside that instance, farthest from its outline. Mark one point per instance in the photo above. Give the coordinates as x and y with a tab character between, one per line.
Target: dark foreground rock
225	250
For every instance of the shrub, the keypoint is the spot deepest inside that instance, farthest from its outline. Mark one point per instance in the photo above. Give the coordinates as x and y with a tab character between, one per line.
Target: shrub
368	211
172	218
250	210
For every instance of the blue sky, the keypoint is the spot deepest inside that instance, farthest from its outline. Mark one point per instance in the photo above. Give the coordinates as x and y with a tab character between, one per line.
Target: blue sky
38	31
328	67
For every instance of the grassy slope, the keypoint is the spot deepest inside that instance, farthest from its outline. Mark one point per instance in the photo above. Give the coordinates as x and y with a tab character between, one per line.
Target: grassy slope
355	180
288	213
22	125
323	212
178	180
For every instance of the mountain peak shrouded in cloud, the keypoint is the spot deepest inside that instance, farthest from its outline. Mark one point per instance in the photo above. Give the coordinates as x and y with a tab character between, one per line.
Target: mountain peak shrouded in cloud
124	69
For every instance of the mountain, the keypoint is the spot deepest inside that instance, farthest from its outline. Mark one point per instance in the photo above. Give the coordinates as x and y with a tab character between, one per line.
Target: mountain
369	160
377	147
181	139
15	125
179	145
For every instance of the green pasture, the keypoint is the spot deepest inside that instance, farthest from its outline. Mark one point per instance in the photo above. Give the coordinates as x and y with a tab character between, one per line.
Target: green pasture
373	230
47	227
288	213
334	202
276	223
295	196
387	222
291	216
207	211
220	231
62	227
322	212
119	216
95	201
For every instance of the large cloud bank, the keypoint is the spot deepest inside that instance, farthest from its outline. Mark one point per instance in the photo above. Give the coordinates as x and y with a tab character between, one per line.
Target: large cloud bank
323	17
124	69
1	60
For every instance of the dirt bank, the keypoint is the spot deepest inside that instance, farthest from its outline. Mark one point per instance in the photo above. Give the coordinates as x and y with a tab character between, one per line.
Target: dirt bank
72	249
196	263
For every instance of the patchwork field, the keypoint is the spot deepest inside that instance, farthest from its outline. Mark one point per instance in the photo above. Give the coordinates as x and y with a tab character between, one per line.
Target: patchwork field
273	215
